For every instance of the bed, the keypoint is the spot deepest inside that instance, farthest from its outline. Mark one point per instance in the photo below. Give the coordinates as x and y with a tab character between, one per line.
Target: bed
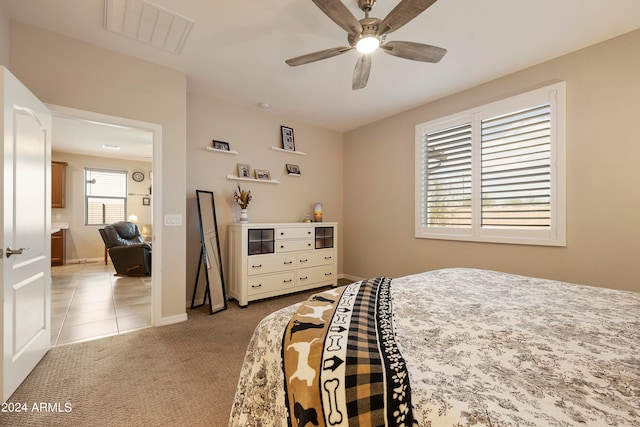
481	348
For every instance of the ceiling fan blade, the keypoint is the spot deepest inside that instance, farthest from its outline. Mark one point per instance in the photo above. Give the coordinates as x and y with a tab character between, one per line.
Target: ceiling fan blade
414	51
361	72
339	14
317	56
404	12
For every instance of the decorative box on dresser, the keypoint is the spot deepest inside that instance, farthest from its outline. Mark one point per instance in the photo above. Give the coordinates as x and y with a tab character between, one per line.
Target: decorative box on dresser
269	259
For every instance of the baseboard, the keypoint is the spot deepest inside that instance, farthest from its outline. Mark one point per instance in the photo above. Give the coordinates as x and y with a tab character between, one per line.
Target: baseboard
170	320
350	277
83	260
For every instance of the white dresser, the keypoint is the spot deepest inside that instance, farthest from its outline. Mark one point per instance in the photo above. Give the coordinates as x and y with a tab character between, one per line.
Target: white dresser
269	259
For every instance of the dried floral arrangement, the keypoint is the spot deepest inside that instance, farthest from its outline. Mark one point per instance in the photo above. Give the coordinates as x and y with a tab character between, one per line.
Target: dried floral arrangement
242	197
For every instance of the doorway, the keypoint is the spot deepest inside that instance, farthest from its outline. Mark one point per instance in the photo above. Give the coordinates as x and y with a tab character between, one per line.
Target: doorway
154	175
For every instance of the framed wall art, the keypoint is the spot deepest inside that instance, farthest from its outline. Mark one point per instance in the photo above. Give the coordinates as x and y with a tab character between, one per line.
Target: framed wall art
244	170
221	145
263	174
287	138
293	169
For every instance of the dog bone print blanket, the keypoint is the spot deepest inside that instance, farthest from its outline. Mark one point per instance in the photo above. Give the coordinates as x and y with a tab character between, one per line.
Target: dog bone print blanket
342	365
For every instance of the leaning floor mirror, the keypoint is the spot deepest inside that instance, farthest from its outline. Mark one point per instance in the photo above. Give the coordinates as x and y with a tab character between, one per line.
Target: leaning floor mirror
209	255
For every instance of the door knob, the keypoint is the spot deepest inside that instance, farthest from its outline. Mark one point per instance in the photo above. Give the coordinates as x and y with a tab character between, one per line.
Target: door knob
10	251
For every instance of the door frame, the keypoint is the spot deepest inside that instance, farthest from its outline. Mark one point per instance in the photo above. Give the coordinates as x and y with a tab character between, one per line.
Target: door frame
156	214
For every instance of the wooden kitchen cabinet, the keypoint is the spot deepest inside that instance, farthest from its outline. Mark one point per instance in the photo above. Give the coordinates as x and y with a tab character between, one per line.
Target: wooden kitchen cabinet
58	184
58	248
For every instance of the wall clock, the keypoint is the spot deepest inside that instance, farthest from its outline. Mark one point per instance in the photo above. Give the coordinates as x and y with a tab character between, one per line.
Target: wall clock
137	176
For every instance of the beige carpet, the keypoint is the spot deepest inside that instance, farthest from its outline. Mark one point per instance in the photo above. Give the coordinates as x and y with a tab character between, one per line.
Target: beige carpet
182	374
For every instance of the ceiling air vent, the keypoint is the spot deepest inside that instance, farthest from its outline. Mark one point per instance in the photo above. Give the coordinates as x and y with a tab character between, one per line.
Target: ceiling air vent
146	22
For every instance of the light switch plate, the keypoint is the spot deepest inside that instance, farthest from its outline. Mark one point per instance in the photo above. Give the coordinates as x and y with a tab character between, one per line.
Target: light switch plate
173	220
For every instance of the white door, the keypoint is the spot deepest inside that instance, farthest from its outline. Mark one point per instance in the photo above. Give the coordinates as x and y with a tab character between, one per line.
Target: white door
25	167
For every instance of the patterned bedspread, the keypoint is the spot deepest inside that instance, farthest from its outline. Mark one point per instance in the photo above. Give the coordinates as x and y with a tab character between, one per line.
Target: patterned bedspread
484	348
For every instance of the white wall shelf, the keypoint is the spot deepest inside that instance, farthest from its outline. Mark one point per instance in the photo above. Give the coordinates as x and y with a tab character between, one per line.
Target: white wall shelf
221	151
301	153
265	181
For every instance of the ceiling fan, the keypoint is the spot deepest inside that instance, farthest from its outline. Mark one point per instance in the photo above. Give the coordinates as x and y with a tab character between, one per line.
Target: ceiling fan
367	34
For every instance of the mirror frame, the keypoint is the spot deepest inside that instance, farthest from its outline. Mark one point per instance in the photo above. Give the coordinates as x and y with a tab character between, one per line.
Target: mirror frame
210	255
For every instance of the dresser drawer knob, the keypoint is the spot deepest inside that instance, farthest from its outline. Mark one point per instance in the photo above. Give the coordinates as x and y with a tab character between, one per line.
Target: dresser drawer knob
257	266
304	278
328	274
288	262
304	260
328	257
288	281
257	286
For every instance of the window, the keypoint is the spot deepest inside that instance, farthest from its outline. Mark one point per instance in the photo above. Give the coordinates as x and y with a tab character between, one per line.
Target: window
106	196
495	173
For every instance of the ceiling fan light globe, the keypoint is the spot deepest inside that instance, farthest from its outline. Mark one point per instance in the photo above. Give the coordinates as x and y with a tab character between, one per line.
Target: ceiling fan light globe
367	44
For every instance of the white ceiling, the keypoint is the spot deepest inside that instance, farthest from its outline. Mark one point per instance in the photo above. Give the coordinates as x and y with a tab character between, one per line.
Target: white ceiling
91	138
236	49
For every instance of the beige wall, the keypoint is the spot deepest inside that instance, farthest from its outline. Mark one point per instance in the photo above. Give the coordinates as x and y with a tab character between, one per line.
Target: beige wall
84	241
4	39
252	132
70	73
603	200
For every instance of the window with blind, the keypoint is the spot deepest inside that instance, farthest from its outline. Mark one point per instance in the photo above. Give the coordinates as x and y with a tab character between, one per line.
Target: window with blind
105	196
495	173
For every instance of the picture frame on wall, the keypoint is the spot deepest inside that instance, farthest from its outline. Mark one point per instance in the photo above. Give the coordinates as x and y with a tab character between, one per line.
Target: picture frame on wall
220	145
244	170
293	169
263	174
287	138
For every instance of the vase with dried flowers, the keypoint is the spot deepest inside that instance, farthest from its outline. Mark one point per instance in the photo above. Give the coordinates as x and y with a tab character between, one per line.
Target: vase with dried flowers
242	198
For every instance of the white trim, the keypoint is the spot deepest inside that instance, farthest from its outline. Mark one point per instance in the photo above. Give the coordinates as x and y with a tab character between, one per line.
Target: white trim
170	320
556	234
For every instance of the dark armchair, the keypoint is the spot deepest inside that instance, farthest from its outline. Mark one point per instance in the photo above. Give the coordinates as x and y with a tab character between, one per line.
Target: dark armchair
130	255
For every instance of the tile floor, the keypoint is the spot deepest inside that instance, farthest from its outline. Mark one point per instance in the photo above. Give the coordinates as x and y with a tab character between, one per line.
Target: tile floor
89	302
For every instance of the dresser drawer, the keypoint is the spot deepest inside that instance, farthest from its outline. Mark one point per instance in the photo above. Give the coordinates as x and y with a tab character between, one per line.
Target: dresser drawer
314	275
270	282
270	263
294	233
314	258
294	245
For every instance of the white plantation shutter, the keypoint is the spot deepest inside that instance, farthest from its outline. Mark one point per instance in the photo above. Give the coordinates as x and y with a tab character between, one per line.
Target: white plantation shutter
516	169
447	172
495	173
106	196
